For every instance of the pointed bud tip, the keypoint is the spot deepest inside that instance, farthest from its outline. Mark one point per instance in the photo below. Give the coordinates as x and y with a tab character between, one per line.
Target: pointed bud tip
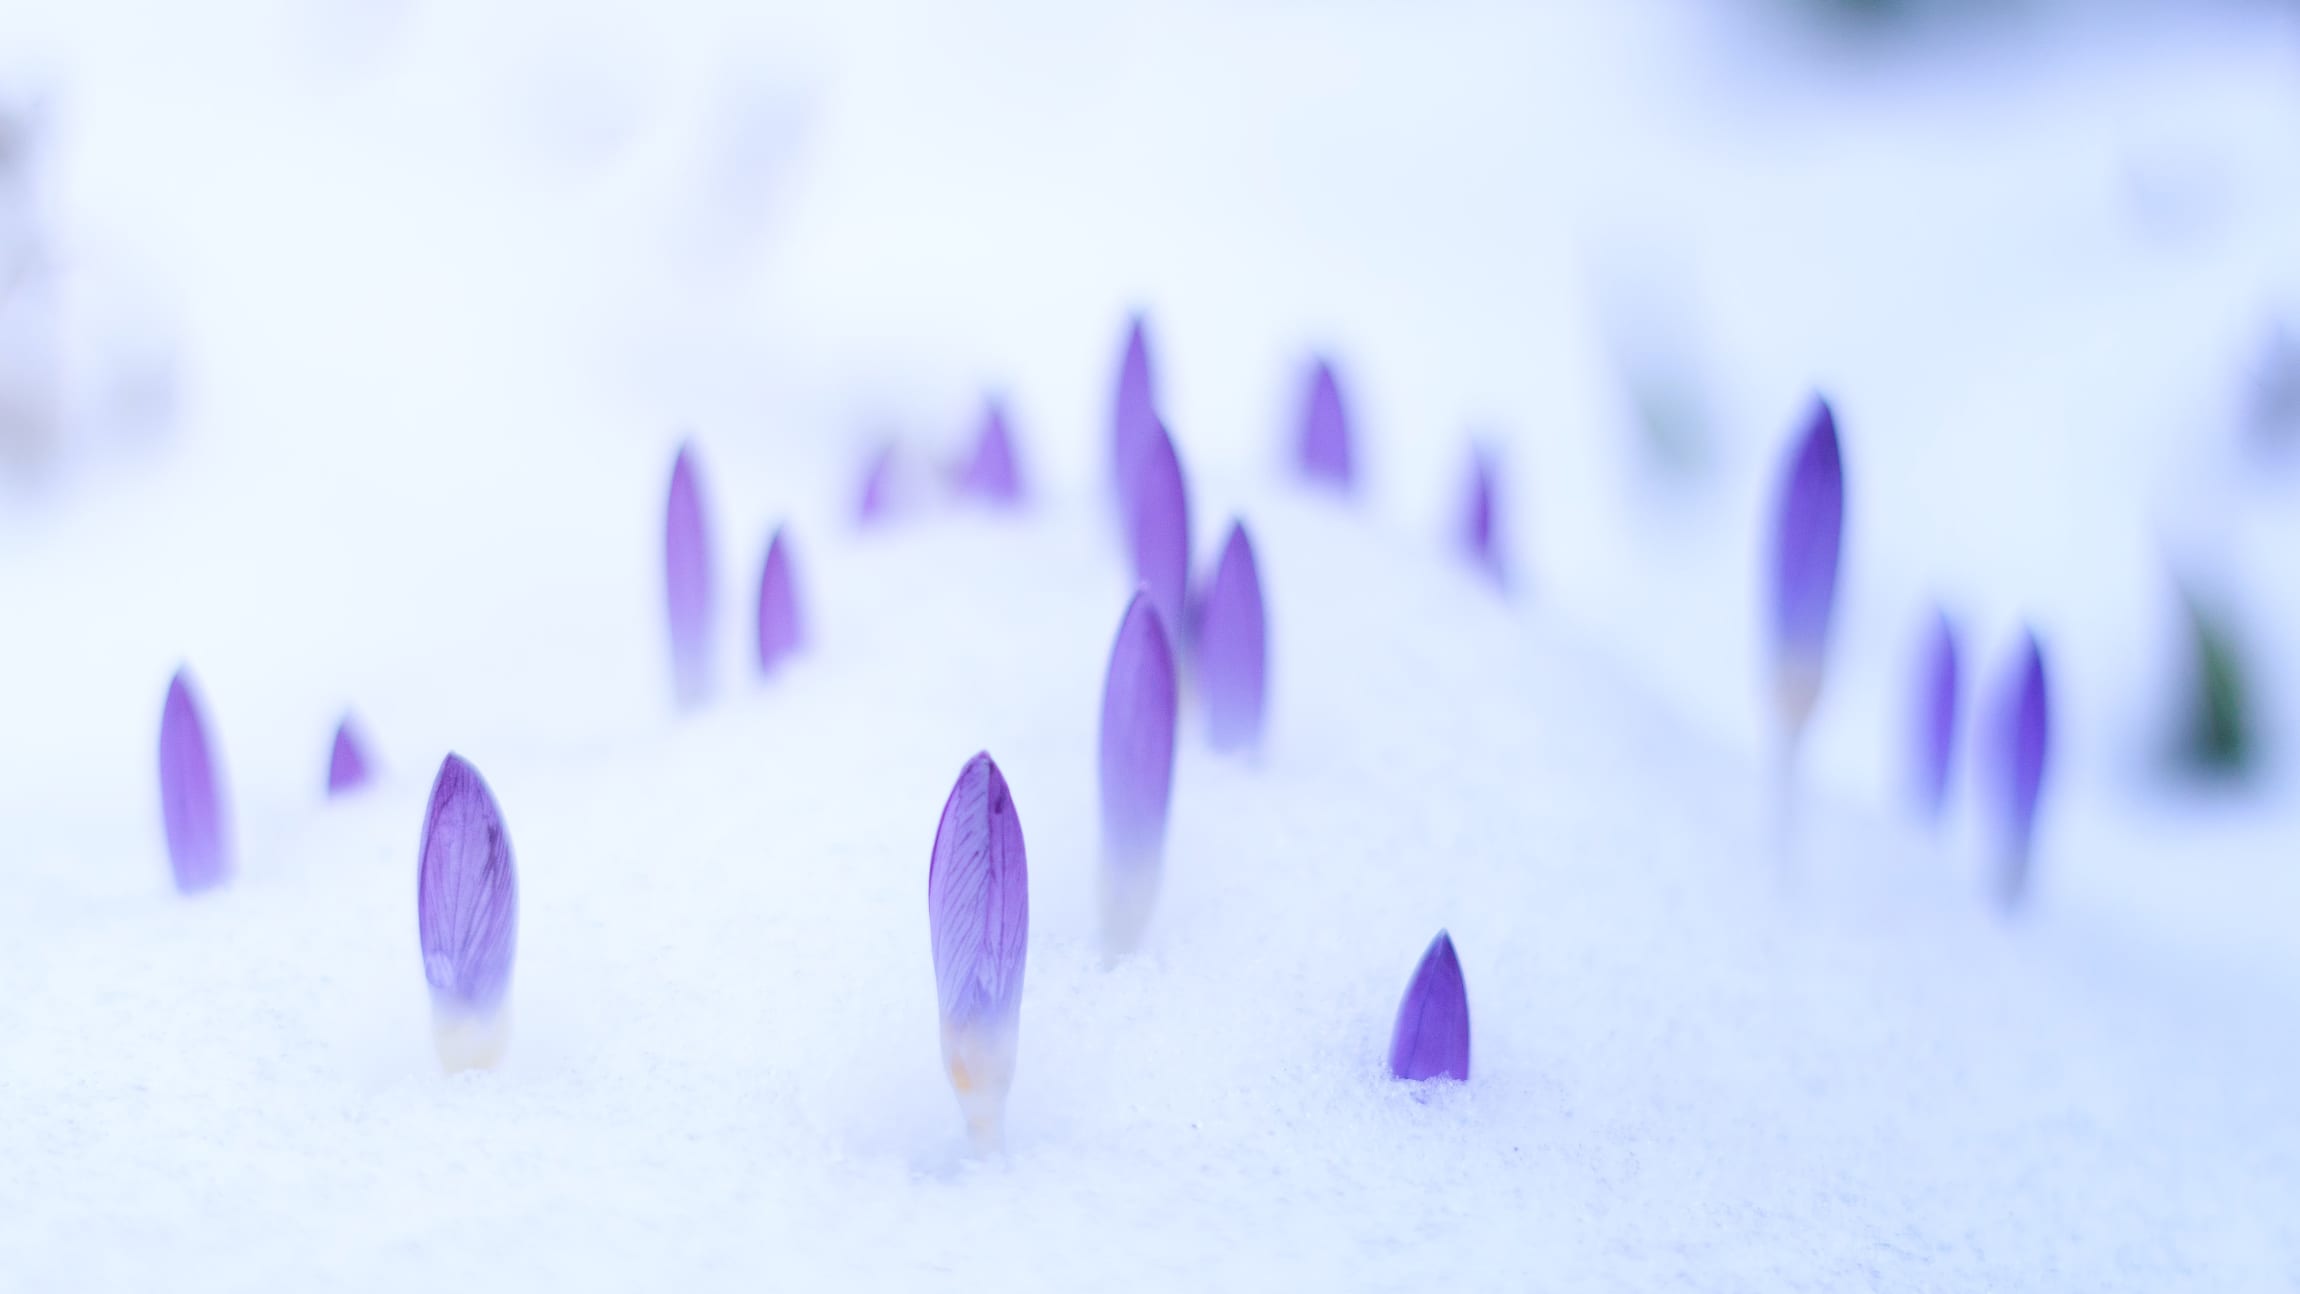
191	798
348	767
1432	1035
1232	646
467	895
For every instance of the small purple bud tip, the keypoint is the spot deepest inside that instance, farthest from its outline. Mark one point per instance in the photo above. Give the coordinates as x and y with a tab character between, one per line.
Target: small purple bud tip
1936	716
1233	658
780	631
1138	703
1136	410
978	914
2026	733
992	475
1159	517
1811	526
467	915
1477	532
687	581
1432	1036
878	489
348	768
1325	444
191	794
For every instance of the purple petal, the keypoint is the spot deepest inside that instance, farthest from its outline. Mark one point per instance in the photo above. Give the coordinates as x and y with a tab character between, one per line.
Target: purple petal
978	917
1936	715
191	797
878	488
1811	524
2025	731
992	475
1138	702
1232	655
780	632
1136	411
1432	1035
687	581
467	910
1325	446
1159	536
1477	532
347	764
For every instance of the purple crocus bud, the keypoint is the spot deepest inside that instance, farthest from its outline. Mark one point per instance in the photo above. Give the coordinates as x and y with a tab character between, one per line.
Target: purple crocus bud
1478	536
978	915
191	793
780	632
1232	657
1432	1035
1138	701
347	763
467	915
1936	736
1159	520
2025	732
1811	527
991	474
1136	412
878	488
1325	444
687	581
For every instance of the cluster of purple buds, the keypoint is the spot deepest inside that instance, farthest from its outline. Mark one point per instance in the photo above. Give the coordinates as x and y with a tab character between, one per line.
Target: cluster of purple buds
978	922
1809	533
467	917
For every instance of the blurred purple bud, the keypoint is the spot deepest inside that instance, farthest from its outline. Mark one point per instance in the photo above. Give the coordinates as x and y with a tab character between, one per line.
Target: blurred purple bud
1325	445
1432	1035
878	488
780	631
978	913
1138	703
992	474
347	763
2025	730
1232	656
1136	411
467	915
1159	517
687	581
1810	529
1478	529
191	793
1936	715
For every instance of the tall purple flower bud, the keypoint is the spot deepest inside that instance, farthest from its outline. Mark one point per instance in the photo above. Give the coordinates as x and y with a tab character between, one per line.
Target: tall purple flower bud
1324	450
1138	702
1432	1035
348	767
991	474
1936	719
687	581
1233	657
978	914
780	631
1159	527
1810	530
191	793
1135	414
1478	529
467	915
2025	733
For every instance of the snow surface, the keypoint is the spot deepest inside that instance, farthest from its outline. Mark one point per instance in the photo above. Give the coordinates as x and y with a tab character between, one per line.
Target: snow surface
445	288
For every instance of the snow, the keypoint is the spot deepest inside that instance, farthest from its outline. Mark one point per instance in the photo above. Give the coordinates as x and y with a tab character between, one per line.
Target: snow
445	288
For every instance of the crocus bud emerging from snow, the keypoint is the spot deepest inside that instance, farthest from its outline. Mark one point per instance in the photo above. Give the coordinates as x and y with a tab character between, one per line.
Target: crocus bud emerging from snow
1432	1036
347	764
1137	773
978	913
1135	414
1160	527
780	632
1810	528
1232	656
687	581
1325	444
1478	537
467	915
2025	731
991	474
1936	734
191	793
878	488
